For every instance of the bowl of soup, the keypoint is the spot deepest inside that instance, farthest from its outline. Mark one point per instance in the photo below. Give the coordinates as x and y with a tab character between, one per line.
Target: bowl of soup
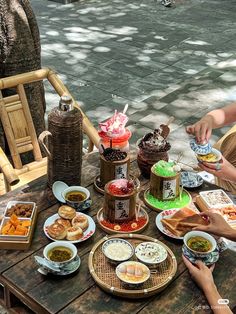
76	196
60	253
199	242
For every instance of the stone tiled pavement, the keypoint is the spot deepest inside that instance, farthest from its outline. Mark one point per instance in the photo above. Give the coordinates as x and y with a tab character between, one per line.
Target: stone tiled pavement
178	61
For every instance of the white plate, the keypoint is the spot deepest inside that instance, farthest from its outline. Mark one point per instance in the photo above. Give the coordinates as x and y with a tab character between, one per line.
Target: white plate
166	214
87	233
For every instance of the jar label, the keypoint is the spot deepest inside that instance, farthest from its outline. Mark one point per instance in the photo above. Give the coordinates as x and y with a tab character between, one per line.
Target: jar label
169	189
121	171
121	209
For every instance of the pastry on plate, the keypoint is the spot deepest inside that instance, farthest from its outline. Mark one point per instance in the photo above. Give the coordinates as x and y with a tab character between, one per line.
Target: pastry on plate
66	212
80	221
57	231
74	233
65	222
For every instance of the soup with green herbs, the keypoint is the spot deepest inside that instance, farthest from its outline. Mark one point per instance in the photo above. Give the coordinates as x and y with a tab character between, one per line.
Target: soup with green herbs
199	244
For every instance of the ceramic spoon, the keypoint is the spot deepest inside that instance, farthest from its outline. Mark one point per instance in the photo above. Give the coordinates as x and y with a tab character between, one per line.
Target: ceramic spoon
42	262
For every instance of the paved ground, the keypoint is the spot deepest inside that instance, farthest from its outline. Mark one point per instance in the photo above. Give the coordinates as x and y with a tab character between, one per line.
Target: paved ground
178	61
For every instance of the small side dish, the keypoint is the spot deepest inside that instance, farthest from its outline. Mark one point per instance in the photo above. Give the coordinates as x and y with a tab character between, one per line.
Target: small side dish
150	253
215	198
117	250
132	272
14	226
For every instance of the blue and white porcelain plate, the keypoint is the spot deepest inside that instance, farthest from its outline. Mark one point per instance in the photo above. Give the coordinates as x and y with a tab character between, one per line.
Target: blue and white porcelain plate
191	179
200	149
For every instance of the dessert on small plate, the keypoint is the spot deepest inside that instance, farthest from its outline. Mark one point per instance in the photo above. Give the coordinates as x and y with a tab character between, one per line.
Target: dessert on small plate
151	253
132	273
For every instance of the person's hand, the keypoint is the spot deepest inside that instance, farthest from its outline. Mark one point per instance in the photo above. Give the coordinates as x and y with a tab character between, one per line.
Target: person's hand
201	129
217	224
223	169
200	273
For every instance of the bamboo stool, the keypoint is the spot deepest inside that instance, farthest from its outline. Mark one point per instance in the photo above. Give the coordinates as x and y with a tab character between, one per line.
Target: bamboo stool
19	128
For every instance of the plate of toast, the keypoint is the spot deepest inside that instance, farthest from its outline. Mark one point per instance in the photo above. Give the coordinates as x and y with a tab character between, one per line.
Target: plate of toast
175	223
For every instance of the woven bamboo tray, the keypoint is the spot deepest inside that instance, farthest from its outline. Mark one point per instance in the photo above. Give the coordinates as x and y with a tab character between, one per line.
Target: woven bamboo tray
104	275
143	213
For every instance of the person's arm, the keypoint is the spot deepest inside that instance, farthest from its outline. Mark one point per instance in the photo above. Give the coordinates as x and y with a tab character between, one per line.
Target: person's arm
217	226
212	120
223	169
202	275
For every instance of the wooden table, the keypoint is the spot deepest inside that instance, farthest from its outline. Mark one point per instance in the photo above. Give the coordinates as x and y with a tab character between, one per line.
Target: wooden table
24	287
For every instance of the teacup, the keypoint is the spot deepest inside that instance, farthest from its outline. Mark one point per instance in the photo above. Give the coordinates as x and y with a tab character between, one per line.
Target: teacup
201	234
76	196
50	253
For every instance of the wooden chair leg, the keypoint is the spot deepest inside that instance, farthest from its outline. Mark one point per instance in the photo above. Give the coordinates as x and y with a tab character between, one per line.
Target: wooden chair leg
91	146
7	185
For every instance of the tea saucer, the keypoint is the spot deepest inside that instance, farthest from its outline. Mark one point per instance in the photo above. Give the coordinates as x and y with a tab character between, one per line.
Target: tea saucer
45	267
209	259
191	179
57	188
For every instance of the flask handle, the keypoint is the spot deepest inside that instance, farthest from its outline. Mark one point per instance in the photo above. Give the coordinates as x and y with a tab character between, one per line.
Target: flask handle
41	140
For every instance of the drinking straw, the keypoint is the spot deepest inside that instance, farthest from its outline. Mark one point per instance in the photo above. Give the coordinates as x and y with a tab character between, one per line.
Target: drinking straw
111	143
125	108
180	194
137	211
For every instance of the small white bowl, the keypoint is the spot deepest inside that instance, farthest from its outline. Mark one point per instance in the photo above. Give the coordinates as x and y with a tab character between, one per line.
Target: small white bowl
119	245
214	151
151	253
203	235
66	244
132	265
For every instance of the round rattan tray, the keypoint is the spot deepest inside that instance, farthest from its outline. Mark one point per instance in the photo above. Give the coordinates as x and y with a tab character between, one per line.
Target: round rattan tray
165	205
104	273
142	213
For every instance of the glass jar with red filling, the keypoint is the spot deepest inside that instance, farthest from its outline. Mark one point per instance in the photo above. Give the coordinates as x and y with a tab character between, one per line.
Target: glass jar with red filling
118	141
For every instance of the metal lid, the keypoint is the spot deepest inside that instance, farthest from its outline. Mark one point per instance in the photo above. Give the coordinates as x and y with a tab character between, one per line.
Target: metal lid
66	103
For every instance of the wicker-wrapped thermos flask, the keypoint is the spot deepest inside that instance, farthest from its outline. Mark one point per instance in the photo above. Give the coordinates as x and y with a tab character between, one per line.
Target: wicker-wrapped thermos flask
64	147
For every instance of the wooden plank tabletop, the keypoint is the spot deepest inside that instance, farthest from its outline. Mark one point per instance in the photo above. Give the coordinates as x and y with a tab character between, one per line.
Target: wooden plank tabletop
78	293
